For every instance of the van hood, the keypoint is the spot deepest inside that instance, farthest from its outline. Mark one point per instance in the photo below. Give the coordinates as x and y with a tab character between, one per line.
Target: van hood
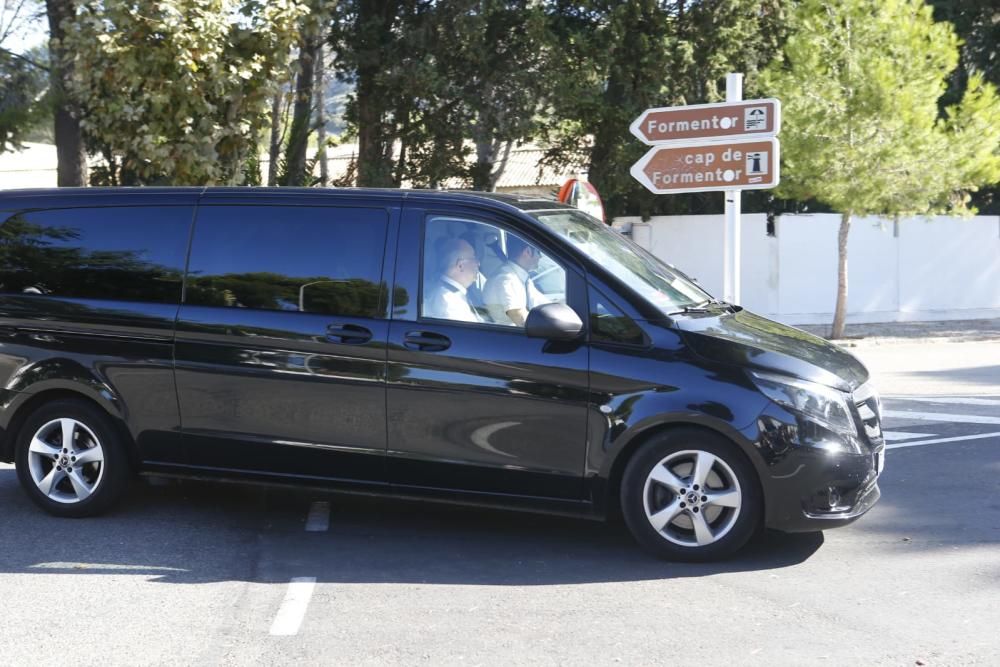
751	341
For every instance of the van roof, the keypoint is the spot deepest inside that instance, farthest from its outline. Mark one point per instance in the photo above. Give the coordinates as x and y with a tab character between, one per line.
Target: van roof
109	196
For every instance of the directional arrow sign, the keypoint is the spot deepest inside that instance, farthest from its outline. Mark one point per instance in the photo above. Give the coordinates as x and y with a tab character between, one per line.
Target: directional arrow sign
747	164
751	118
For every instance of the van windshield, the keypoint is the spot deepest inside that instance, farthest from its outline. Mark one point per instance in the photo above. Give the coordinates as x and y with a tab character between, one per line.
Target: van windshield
660	284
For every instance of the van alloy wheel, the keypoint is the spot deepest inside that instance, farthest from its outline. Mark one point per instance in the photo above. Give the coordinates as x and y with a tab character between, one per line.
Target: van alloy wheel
66	460
692	498
690	494
71	459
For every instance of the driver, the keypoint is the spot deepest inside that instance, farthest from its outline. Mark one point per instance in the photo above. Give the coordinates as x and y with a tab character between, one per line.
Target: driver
510	293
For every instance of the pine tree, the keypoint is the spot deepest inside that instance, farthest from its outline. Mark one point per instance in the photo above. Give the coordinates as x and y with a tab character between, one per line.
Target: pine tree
861	131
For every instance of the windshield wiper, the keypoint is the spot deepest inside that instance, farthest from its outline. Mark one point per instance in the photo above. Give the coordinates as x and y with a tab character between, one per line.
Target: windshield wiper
701	307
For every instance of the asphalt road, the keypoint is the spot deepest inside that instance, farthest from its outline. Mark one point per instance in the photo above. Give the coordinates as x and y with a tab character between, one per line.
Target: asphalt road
196	573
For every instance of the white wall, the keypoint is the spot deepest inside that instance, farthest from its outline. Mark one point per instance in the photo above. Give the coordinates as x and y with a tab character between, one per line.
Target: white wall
759	265
33	167
926	269
807	246
692	243
949	264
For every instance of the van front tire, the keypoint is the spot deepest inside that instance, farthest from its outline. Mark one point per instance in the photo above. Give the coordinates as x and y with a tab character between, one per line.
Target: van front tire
690	495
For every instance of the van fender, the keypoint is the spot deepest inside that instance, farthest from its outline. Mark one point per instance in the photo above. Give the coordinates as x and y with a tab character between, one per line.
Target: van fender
57	375
626	442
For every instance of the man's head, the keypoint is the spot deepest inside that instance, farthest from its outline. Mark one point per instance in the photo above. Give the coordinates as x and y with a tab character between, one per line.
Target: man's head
521	253
458	261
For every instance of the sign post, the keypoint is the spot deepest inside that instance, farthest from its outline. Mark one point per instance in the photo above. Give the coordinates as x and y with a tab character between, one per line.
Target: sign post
728	147
734	202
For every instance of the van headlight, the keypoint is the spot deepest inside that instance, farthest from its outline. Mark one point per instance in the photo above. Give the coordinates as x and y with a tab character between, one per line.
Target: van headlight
820	404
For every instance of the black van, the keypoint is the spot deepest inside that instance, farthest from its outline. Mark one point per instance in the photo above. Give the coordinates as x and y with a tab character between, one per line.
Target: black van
478	348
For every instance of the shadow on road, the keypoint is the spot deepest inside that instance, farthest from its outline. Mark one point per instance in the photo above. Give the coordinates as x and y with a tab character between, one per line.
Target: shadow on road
190	532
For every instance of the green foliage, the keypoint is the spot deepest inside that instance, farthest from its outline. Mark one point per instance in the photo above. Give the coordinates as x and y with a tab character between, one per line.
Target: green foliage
431	76
381	48
23	76
22	107
859	85
177	91
491	62
617	59
311	33
978	26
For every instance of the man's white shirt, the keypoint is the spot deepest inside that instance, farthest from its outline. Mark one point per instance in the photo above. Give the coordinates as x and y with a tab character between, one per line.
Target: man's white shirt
510	288
448	300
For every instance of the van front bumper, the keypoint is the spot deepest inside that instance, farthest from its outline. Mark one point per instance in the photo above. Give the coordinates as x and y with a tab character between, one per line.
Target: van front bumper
808	488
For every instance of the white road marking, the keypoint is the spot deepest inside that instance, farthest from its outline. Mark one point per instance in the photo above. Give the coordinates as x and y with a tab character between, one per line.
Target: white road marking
955	400
893	436
293	607
940	417
936	441
6	466
318	520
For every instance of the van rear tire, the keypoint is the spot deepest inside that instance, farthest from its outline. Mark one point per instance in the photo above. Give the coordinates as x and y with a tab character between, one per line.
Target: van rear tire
70	460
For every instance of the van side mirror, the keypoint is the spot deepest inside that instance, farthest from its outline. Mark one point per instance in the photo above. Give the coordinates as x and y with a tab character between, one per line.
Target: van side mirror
553	321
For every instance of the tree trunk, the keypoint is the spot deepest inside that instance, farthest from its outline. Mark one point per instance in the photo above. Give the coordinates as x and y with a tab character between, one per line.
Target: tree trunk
400	172
274	150
483	137
374	27
485	155
249	165
630	86
324	167
374	170
501	166
840	312
72	160
298	139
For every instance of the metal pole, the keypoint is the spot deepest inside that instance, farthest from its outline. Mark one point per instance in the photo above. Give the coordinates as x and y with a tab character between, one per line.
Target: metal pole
731	244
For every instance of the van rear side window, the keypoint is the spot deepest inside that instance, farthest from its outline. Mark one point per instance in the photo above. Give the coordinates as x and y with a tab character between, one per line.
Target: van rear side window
325	260
116	253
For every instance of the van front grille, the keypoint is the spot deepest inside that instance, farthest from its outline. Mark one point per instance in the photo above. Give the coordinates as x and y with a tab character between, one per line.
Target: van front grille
869	407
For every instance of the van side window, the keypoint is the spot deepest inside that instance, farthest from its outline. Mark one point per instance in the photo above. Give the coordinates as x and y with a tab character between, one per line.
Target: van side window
482	273
324	260
116	253
608	324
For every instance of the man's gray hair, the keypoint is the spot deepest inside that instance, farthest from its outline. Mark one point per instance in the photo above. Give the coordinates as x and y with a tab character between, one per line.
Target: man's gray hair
449	251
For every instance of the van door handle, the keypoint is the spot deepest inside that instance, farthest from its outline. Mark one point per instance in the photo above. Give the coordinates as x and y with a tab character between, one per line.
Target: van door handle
426	341
348	333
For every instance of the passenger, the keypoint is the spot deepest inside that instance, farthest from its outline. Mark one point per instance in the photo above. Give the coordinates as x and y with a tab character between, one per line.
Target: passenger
448	298
510	293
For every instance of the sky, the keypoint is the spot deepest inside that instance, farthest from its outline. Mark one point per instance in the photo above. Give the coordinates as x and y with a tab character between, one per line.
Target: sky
28	33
